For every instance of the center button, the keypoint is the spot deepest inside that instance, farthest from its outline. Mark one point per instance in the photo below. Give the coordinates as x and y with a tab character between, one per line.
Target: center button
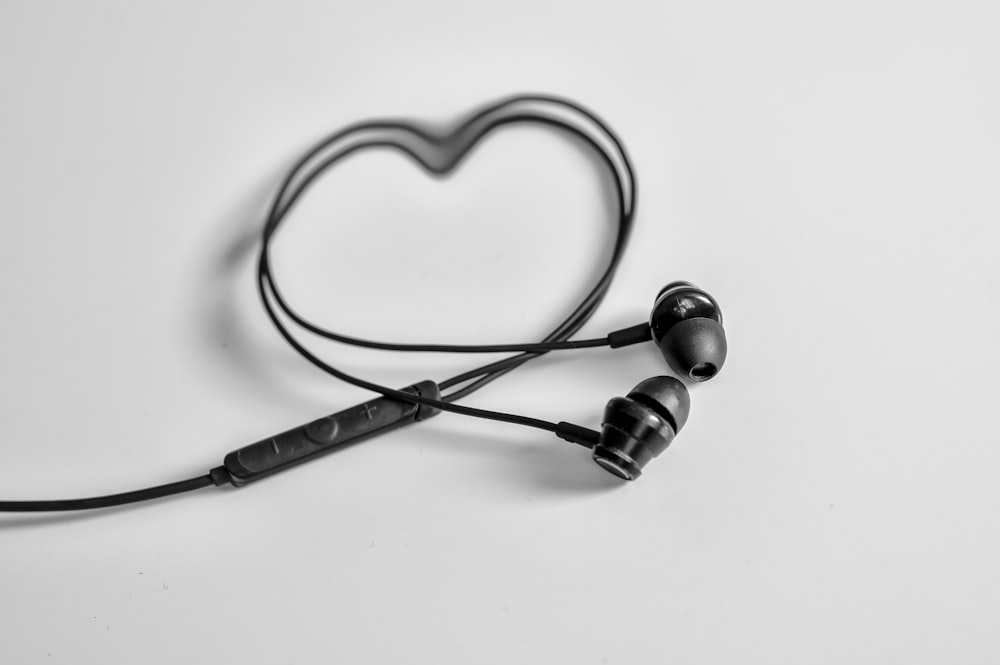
322	431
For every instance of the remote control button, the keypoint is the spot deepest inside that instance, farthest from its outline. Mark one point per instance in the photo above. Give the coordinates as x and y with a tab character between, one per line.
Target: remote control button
323	431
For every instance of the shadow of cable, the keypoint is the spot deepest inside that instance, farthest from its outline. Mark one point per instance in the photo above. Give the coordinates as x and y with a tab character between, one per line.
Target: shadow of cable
229	322
536	465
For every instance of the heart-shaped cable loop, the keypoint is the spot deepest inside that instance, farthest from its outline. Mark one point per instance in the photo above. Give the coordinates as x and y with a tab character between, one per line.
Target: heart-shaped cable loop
440	153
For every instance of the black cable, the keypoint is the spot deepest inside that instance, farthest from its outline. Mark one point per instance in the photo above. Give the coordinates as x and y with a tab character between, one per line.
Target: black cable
288	195
391	392
109	500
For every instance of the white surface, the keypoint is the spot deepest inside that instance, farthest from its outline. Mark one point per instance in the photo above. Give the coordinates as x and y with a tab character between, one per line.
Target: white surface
828	171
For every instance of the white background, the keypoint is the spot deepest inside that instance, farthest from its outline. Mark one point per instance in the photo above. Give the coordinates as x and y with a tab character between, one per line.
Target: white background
827	170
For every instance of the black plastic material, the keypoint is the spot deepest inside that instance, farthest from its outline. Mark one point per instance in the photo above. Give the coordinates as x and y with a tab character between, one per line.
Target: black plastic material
686	323
639	427
353	425
220	476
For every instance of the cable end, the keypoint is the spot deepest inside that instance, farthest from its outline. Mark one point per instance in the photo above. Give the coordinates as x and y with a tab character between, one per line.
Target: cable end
577	434
627	336
220	476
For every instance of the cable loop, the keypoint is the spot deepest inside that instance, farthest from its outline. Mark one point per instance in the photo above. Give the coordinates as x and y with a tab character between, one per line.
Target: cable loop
440	153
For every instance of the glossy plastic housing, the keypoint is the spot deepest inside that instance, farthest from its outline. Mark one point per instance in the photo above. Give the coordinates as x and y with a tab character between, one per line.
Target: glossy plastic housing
686	323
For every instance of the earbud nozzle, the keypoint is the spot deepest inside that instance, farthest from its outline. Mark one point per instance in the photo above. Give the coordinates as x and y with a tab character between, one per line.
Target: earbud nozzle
695	348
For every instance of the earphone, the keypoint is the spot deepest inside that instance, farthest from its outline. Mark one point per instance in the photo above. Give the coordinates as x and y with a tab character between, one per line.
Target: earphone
685	323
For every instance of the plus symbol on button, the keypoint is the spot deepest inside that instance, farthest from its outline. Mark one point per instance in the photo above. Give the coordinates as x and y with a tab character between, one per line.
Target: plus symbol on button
369	411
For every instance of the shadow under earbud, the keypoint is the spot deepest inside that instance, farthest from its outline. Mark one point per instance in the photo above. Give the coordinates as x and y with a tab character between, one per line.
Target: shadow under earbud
538	466
554	469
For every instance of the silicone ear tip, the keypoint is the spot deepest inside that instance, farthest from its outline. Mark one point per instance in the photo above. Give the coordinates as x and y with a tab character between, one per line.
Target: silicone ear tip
695	348
667	396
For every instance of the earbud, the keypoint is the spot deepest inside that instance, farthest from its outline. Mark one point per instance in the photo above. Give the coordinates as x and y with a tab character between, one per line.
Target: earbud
640	426
686	323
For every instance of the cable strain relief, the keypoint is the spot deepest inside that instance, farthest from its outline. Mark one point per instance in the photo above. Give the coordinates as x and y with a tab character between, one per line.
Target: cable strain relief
634	335
220	476
576	434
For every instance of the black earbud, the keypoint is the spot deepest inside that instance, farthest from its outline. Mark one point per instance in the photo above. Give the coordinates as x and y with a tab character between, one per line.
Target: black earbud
640	426
686	323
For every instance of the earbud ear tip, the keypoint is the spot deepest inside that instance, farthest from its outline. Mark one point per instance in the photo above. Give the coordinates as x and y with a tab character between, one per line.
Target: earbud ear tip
666	396
695	348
